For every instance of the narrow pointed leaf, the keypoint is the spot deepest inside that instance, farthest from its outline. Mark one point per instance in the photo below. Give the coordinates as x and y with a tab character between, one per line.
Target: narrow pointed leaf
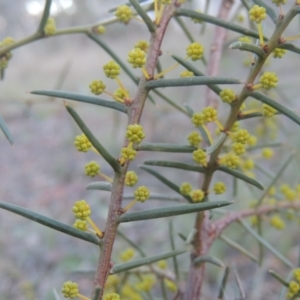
221	138
171	211
144	261
241	176
6	131
45	16
242	294
104	153
149	23
270	11
290	47
217	21
164	147
283	109
82	98
267	145
248	47
99	185
166	181
176	165
48	222
275	179
208	259
189	66
156	197
171	234
223	284
266	244
279	278
131	243
238	247
190	81
242	116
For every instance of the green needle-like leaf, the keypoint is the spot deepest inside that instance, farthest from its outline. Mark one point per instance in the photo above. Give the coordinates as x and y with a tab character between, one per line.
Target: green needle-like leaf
99	185
166	181
223	284
248	47
45	16
144	261
241	176
279	278
164	147
238	247
266	244
149	23
185	29
82	98
176	165
208	259
290	47
217	21
6	131
171	211
97	292
283	109
50	223
103	152
154	196
189	66
172	241
190	81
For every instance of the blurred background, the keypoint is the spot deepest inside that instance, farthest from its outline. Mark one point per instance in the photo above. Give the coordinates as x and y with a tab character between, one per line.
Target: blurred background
44	172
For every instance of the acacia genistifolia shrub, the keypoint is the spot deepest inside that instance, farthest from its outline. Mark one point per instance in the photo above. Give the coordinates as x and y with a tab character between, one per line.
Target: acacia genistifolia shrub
214	144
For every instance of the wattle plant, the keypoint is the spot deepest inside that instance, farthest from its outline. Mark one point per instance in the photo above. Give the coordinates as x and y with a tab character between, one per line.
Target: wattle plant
219	141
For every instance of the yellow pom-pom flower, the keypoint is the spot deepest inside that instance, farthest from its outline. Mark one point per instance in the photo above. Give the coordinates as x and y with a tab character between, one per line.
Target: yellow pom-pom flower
127	254
120	94
198	119
268	80
267	153
131	178
81	210
142	193
92	169
219	188
185	188
293	289
50	27
186	73
112	296
278	53
137	58
248	164
231	161
135	133
296	274
82	143
194	139
197	195
252	140
128	153
210	114
70	289
97	87
195	51
200	157
146	284
228	96
123	13
143	45
257	13
238	148
111	69
162	264
268	111
242	136
277	222
100	29
170	285
279	2
81	225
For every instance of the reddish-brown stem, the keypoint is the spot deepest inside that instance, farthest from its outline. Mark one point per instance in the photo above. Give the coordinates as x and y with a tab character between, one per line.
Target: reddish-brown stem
134	115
